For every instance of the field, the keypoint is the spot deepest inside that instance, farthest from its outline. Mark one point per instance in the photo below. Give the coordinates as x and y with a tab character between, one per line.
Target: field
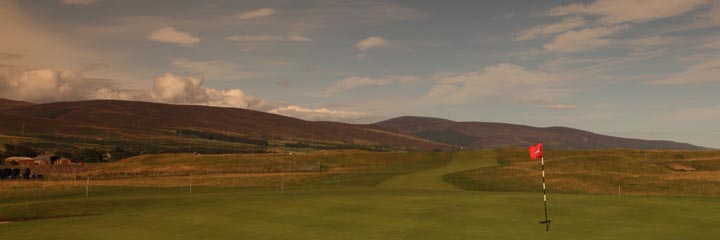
355	195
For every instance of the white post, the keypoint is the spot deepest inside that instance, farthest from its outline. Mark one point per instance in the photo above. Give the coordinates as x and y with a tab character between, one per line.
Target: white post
191	186
546	222
282	182
87	187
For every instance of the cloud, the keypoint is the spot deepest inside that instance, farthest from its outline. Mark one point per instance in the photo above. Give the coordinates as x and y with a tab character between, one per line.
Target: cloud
713	43
48	84
652	41
580	40
324	114
358	82
623	11
566	24
38	43
9	56
254	38
560	106
694	114
372	42
294	37
703	72
214	69
170	88
170	35
51	85
505	80
78	2
260	13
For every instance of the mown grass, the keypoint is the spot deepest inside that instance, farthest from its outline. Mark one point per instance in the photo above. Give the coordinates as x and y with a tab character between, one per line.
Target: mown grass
353	204
360	213
601	172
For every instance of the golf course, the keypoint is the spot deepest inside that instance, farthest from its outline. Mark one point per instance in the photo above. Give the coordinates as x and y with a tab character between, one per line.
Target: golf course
391	201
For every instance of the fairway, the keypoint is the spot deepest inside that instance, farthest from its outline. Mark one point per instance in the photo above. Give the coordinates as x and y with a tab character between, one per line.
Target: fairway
414	205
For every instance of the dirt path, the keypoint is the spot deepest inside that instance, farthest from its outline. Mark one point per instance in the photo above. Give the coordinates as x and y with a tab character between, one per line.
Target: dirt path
432	179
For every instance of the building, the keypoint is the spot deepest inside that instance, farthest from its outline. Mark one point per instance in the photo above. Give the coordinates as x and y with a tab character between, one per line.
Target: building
41	160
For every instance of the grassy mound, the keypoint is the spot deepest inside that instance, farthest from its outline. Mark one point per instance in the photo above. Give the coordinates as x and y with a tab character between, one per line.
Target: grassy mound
600	172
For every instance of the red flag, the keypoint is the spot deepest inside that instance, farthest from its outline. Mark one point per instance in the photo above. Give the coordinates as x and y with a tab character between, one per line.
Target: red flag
536	151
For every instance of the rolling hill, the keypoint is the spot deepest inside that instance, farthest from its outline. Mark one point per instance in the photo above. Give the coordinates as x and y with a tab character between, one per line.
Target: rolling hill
133	121
130	120
480	135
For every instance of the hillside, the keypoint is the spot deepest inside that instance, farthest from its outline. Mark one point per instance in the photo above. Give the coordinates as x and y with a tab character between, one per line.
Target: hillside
140	122
479	135
133	120
7	103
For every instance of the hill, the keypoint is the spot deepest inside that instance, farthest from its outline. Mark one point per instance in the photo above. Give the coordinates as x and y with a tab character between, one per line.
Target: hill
129	120
479	135
7	103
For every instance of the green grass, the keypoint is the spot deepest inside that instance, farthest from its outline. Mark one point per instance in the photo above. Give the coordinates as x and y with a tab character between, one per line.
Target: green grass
381	203
363	213
600	172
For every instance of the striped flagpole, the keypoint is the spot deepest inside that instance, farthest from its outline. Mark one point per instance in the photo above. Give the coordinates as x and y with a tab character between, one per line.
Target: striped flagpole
546	222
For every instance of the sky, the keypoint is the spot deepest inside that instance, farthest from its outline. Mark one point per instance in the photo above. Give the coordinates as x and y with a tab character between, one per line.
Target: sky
631	68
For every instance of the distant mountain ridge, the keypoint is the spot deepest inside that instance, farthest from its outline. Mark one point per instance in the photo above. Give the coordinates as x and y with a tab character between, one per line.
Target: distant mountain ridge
492	135
130	120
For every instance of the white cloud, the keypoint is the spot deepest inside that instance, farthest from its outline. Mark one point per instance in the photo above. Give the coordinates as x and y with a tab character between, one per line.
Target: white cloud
298	38
566	24
585	39
357	82
78	2
170	35
705	71
255	38
48	84
51	85
260	13
317	114
622	11
372	42
560	106
505	81
294	37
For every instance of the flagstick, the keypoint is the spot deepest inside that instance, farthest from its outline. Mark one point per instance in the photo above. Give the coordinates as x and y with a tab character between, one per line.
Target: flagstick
546	222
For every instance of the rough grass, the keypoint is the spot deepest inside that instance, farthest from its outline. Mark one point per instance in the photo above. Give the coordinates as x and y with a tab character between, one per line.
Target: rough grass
340	167
601	172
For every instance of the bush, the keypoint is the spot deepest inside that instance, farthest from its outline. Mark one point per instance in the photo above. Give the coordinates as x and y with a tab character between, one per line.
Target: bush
19	150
